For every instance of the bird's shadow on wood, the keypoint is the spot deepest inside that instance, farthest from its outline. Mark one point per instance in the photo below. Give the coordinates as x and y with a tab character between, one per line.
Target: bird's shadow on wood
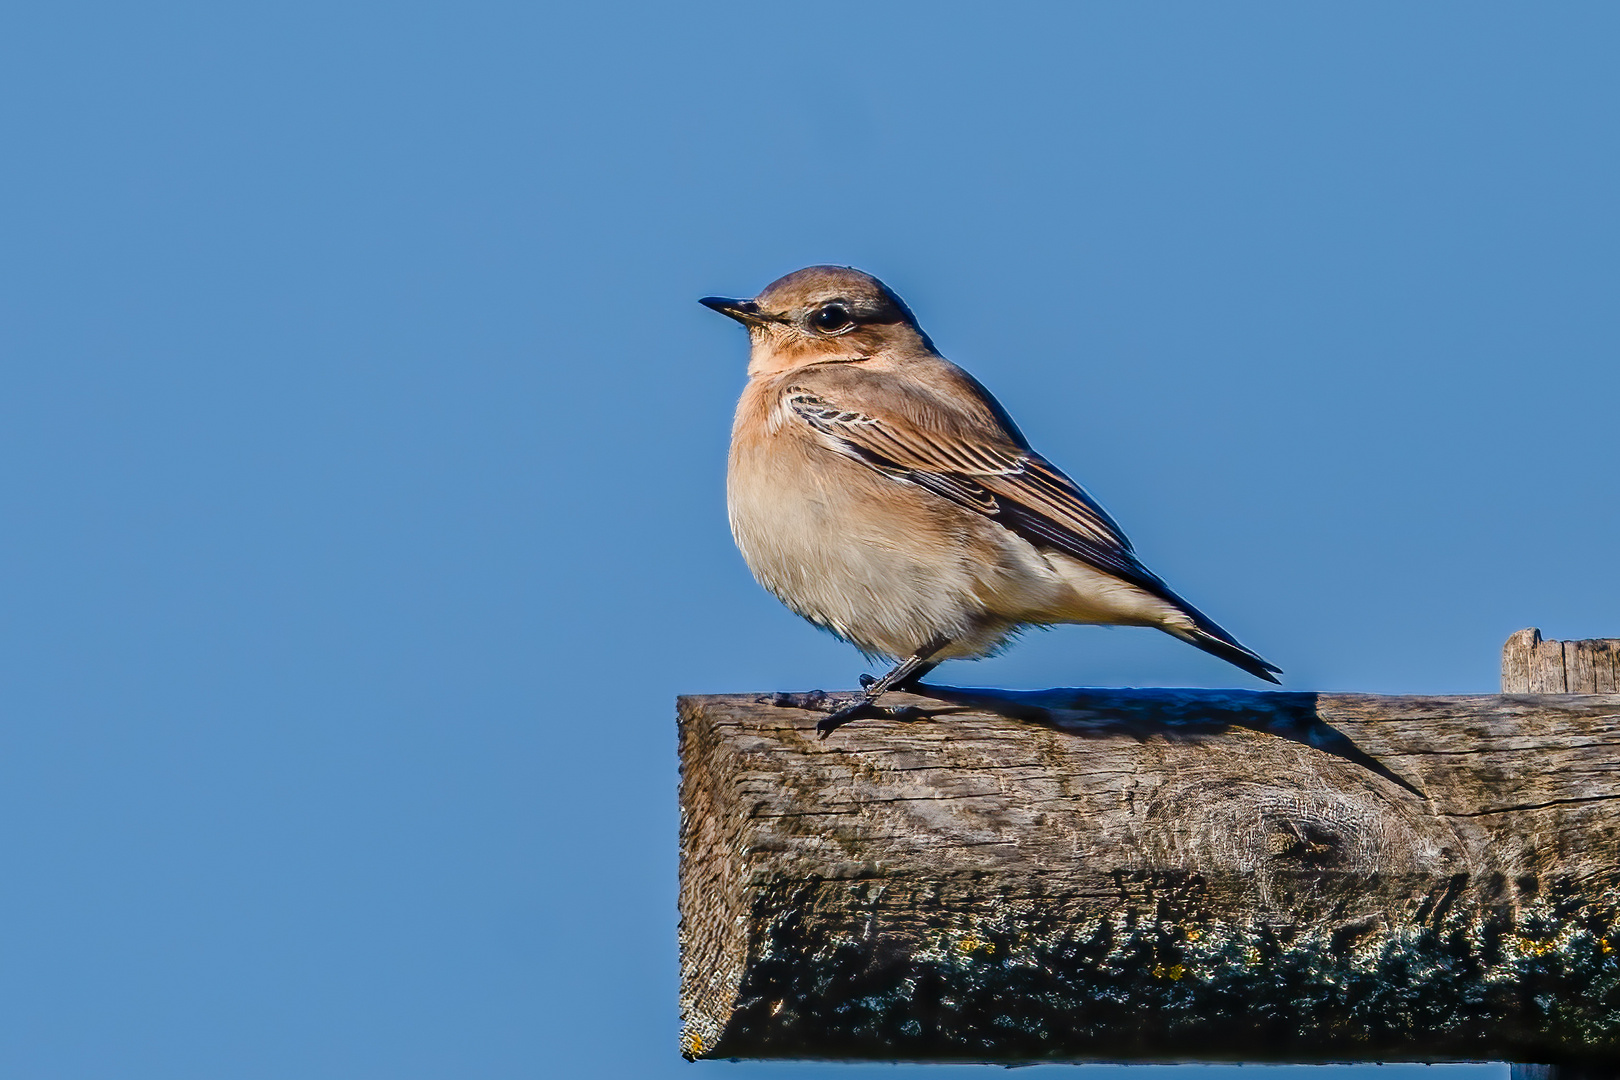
1171	714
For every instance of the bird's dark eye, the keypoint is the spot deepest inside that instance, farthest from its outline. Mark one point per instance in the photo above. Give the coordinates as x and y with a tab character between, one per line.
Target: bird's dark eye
832	318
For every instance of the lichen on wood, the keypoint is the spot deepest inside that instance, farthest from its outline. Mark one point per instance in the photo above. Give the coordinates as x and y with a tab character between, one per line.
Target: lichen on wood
1154	875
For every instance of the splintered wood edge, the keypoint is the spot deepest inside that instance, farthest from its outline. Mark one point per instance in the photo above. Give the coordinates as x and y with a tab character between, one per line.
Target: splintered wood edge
713	938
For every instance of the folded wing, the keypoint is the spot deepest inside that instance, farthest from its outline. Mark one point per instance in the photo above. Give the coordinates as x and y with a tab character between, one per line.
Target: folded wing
1014	486
993	474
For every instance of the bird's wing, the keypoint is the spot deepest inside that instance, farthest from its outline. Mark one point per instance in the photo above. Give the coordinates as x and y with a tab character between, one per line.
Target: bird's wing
973	464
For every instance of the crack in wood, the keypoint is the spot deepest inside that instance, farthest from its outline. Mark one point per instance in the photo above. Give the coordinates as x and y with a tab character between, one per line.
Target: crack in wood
1533	806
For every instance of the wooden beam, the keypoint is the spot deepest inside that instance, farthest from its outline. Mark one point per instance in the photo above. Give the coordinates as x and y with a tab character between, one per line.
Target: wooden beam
1154	875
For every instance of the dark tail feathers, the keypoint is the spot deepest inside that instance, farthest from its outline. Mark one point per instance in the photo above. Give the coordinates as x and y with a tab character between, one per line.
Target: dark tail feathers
1218	644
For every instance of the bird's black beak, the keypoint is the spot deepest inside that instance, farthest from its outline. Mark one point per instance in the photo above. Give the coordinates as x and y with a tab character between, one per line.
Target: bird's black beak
744	311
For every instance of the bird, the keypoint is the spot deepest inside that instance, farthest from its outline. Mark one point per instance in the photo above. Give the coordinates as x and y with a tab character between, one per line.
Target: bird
881	492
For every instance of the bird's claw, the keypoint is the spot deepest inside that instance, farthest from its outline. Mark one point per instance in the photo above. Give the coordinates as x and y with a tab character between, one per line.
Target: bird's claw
842	710
863	709
859	709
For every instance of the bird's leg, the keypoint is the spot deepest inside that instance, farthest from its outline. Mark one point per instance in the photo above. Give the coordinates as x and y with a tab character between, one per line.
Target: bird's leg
904	675
900	676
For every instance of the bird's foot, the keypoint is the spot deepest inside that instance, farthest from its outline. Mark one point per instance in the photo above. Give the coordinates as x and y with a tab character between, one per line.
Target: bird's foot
842	709
865	709
861	708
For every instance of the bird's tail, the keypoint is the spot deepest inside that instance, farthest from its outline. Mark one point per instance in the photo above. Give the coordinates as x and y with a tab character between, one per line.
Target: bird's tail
1206	635
1201	631
1217	642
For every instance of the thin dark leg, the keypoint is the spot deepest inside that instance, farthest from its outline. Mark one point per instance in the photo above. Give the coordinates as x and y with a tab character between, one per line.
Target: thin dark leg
904	682
903	674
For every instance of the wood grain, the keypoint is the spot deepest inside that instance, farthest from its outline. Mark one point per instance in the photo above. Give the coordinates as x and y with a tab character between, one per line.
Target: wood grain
1154	875
1606	668
1531	665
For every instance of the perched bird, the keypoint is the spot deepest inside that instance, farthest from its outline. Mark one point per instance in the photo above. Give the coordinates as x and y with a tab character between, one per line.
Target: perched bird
880	492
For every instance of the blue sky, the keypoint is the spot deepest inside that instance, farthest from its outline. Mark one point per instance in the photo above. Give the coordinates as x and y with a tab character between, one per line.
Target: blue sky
362	444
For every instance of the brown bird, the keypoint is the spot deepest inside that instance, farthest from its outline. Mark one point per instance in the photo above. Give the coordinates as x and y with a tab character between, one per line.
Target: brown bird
880	492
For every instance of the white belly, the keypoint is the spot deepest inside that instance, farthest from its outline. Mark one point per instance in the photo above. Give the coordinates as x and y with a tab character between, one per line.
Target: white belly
838	560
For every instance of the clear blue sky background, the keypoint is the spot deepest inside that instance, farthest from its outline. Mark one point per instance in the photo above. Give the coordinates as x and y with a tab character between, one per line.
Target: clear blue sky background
362	444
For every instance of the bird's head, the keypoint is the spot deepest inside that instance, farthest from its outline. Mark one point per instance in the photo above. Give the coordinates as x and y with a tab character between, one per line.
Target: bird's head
821	314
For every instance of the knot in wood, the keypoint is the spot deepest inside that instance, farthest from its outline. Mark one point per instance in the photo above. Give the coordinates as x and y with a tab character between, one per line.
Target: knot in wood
1246	827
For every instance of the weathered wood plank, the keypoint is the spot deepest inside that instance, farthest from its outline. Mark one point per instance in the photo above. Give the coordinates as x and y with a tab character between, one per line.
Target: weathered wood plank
1580	674
1548	674
1531	665
1517	660
1606	668
1154	875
